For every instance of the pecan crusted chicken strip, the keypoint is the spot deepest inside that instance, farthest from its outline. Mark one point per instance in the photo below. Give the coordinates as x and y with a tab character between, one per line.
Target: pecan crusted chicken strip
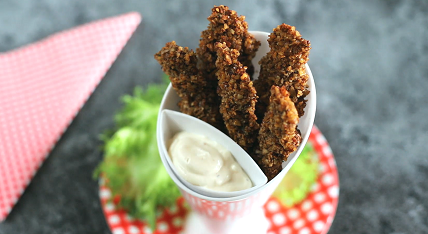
197	99
284	65
278	136
226	26
238	97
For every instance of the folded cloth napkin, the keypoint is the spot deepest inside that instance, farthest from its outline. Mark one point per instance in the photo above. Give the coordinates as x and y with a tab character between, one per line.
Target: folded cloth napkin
42	87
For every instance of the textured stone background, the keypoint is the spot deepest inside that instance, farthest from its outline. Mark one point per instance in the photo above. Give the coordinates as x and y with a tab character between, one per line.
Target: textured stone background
372	80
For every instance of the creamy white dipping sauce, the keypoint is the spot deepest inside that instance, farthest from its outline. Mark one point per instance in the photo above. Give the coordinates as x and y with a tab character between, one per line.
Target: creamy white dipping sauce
203	162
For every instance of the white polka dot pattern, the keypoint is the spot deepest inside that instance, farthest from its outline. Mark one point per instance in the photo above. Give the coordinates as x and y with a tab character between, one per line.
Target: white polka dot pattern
42	87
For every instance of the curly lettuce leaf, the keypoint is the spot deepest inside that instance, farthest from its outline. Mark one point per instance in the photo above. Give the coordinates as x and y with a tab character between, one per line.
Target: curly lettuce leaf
132	165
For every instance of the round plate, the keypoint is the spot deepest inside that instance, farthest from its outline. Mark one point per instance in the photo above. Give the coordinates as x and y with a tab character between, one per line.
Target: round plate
314	215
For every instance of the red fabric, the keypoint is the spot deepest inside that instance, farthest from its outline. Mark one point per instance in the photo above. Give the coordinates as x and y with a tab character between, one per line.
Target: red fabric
42	88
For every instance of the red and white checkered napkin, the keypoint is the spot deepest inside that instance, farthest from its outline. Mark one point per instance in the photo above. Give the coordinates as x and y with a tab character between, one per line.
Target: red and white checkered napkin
42	87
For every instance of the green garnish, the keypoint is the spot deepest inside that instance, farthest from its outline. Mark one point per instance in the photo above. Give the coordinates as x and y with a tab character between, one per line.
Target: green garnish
296	184
132	166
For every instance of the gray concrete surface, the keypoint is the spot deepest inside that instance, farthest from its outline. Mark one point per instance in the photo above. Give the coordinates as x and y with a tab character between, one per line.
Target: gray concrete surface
371	70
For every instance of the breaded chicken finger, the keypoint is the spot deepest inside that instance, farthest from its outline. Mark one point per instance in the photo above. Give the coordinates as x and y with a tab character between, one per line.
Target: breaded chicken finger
284	65
197	98
238	97
226	26
278	136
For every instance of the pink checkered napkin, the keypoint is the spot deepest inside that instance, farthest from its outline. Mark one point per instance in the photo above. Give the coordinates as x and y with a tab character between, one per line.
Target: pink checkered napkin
42	87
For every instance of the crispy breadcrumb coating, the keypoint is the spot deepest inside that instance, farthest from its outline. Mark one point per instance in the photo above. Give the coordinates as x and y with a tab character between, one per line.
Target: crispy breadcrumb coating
284	65
278	136
238	97
226	26
197	98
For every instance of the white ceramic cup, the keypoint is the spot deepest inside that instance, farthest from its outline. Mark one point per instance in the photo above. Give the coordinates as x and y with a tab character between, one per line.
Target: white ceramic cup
226	215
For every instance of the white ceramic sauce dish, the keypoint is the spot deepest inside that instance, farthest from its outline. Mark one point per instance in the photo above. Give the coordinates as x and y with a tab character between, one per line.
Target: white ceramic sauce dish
173	122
